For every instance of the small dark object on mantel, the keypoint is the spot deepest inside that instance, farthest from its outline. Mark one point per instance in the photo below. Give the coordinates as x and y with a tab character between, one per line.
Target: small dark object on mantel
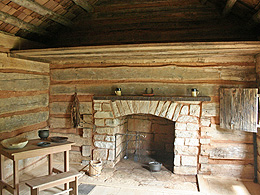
148	92
43	134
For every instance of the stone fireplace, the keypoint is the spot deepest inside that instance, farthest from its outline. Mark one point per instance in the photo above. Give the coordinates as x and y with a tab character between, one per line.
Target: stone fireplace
111	115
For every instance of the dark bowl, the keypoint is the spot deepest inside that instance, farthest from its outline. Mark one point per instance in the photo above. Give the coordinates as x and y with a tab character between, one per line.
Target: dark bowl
43	134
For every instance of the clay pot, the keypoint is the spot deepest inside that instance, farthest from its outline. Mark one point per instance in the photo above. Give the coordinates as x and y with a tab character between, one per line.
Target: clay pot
43	134
155	166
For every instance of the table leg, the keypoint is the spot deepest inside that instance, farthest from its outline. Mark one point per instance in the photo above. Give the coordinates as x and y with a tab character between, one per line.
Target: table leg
66	166
1	173
16	177
50	163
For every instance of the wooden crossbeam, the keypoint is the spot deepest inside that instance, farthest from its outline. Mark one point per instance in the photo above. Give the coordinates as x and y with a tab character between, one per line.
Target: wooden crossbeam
84	4
4	17
36	7
256	17
229	5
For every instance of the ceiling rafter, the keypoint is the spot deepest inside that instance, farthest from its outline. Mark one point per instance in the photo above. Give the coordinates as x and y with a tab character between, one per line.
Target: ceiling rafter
9	19
85	5
36	7
229	5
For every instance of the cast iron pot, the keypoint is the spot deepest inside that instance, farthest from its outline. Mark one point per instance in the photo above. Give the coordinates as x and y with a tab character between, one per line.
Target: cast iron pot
155	166
43	134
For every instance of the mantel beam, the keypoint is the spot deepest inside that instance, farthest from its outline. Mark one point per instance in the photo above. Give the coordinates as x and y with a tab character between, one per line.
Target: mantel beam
36	7
229	5
84	4
4	17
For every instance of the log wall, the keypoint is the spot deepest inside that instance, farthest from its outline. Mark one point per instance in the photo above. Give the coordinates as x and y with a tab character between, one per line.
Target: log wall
24	97
223	152
24	100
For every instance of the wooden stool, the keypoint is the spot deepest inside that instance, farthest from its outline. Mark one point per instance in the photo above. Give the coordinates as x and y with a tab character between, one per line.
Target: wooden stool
41	183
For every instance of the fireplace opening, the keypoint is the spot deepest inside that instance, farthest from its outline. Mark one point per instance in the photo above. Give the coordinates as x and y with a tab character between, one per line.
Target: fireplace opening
146	138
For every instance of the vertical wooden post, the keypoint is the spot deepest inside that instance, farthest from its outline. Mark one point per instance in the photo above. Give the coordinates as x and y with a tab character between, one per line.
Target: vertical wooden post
66	166
50	163
16	177
1	173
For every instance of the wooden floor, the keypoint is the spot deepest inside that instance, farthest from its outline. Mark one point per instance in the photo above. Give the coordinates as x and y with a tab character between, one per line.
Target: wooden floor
207	185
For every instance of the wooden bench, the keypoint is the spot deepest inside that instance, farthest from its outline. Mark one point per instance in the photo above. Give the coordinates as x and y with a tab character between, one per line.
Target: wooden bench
41	183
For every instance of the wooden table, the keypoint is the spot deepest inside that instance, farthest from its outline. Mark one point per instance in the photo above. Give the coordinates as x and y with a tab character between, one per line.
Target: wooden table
29	151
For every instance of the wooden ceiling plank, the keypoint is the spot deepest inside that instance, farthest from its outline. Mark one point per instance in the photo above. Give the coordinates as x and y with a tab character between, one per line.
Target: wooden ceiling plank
36	7
23	25
229	5
84	4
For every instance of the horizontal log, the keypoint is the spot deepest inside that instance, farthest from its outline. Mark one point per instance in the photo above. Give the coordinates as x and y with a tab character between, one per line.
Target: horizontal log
69	98
14	104
5	135
23	82
22	71
76	131
9	94
174	73
36	110
9	124
65	107
179	64
25	65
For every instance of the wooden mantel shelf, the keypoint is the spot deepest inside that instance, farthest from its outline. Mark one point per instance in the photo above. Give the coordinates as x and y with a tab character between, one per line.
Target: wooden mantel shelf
153	98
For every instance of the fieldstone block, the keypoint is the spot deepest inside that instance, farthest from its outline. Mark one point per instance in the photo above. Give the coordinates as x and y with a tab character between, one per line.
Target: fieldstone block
195	110
120	108
203	159
185	170
144	107
171	110
107	130
186	134
86	150
115	109
179	141
99	137
153	106
185	110
125	107
100	154
188	119
102	114
193	127
165	108
189	160
159	108
205	141
99	122
186	150
180	126
130	104
205	121
97	106
106	145
112	122
191	142
111	155
177	112
106	107
110	138
87	133
177	160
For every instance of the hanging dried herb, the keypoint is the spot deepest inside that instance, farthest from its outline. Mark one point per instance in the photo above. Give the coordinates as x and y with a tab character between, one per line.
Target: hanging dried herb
75	115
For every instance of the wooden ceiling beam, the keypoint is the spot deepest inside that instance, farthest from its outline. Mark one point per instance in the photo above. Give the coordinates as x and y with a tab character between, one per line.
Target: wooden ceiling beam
6	18
36	7
229	5
256	17
84	4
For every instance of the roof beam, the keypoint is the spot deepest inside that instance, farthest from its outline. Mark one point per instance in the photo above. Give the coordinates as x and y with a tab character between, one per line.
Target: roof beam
36	7
84	4
229	5
23	25
256	17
